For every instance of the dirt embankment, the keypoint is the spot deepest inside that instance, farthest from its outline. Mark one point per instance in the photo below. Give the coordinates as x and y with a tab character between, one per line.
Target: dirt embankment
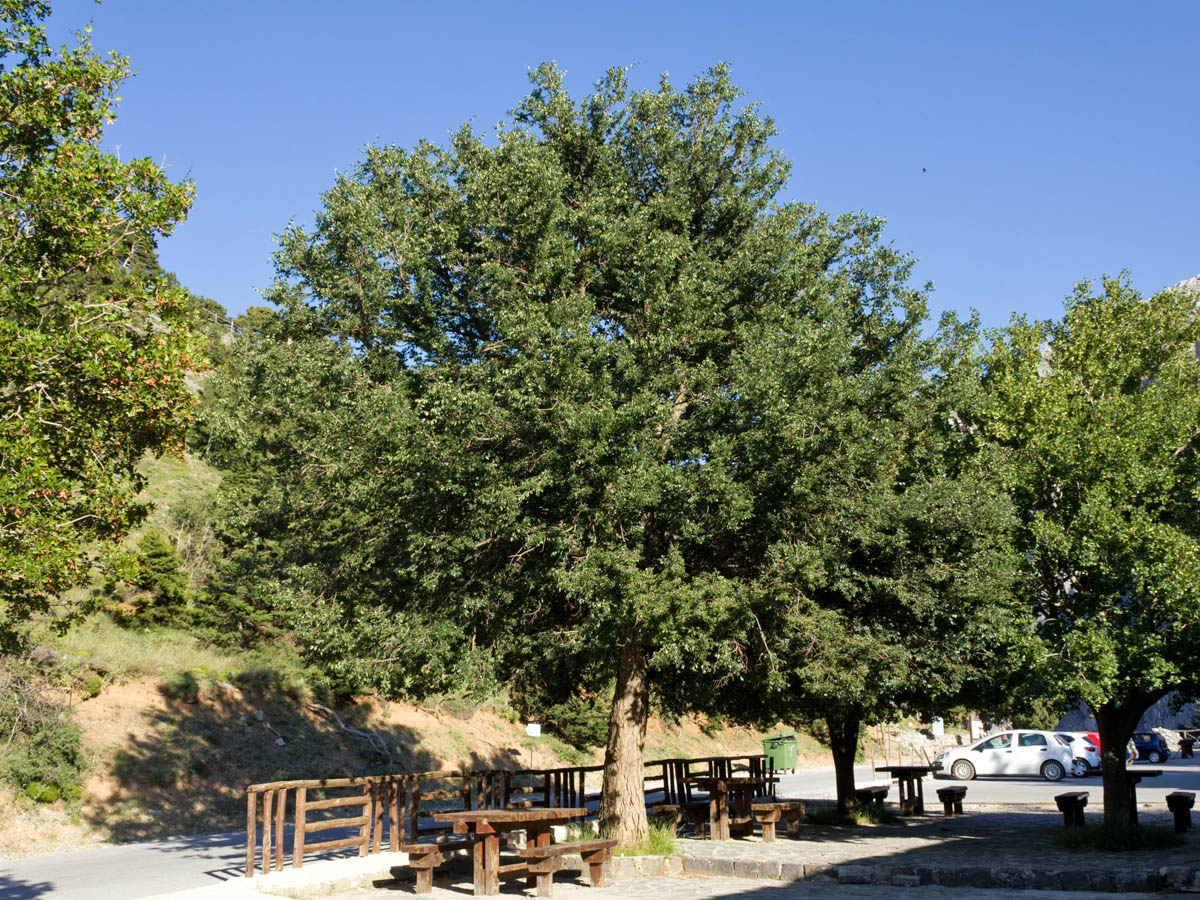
169	760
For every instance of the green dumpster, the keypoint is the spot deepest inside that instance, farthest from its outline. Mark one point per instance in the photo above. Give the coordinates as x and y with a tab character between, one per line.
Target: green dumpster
780	749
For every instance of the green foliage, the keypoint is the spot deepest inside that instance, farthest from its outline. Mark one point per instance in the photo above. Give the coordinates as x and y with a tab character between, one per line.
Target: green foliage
43	753
581	721
1096	839
1101	413
661	841
183	686
1100	416
159	572
91	686
95	352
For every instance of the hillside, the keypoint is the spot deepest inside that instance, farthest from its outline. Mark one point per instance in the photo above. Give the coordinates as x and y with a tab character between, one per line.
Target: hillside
172	756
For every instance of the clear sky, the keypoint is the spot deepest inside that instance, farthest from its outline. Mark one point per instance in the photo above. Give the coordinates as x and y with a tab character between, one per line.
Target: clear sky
1014	148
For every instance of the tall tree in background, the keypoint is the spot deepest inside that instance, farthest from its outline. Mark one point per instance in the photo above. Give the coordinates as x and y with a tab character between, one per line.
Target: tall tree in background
92	371
1101	413
892	579
524	385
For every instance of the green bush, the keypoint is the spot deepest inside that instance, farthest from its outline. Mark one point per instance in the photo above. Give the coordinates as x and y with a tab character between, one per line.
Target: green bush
582	721
91	686
40	792
43	755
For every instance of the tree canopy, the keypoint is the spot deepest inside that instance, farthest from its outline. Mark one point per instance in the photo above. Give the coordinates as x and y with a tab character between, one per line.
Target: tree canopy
532	393
1100	412
92	374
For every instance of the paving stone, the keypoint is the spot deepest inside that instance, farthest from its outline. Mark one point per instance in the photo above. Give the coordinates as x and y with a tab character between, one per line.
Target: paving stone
906	880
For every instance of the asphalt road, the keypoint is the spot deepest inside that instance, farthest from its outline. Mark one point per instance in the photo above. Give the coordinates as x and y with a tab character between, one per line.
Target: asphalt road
1178	775
131	871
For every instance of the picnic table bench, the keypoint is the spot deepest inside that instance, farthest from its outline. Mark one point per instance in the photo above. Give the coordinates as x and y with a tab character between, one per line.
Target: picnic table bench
952	799
768	812
544	861
873	795
424	857
1071	805
1180	804
694	813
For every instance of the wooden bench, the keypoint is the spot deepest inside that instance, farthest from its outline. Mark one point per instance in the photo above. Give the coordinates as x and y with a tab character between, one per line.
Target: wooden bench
1071	804
875	794
952	799
424	858
768	812
545	861
1180	804
694	813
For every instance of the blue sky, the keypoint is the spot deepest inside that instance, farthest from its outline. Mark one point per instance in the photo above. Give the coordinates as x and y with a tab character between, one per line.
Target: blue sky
1059	140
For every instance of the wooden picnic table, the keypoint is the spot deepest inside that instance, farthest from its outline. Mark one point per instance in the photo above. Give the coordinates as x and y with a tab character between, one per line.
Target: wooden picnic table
724	793
488	824
912	795
1132	777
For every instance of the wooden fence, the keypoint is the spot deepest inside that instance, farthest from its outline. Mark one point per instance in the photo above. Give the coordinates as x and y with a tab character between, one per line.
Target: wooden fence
387	809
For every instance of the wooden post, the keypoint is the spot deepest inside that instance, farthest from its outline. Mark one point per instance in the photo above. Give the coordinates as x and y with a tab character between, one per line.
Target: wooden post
415	810
378	797
268	800
364	832
280	820
251	836
298	833
395	823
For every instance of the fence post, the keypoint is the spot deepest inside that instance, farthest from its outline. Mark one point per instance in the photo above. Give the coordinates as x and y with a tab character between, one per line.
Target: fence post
251	837
298	834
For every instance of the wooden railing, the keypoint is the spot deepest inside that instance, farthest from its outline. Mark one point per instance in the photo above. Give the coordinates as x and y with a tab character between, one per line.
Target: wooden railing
388	808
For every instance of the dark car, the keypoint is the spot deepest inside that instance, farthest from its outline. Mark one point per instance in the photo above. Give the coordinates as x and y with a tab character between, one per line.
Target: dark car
1150	746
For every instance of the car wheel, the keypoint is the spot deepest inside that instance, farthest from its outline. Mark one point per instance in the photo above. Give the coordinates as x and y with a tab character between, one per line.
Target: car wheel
1079	768
1154	756
1052	770
962	770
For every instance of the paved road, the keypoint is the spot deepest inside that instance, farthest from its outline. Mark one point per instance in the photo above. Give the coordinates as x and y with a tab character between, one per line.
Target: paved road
142	870
125	871
1178	775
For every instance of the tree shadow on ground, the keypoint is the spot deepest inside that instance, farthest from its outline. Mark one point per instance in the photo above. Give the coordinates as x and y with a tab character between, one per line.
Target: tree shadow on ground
18	889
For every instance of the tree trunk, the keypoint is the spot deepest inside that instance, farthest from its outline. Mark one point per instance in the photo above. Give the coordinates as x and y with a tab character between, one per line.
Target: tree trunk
1115	724
623	802
843	741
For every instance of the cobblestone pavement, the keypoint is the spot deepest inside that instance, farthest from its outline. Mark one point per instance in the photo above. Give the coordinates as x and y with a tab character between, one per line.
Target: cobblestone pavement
976	846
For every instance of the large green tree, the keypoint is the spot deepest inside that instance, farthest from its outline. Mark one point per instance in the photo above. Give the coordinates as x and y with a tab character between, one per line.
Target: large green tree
91	374
891	564
546	357
1101	414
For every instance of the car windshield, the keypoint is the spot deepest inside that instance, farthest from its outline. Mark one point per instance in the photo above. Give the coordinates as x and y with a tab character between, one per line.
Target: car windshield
1064	739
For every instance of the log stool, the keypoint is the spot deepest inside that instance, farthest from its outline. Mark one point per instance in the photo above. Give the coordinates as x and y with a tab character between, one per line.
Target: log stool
952	799
1071	804
1180	804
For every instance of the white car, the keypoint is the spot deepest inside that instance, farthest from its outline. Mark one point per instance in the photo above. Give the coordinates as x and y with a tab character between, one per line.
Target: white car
1011	753
1087	754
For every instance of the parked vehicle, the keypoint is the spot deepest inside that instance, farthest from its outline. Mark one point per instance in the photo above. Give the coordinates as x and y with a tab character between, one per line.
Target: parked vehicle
1085	752
1043	753
1150	746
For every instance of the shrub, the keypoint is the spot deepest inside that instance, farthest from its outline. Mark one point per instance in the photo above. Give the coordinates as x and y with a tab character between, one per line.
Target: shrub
581	721
44	751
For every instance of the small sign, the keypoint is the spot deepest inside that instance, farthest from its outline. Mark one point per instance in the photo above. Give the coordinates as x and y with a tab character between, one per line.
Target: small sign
533	729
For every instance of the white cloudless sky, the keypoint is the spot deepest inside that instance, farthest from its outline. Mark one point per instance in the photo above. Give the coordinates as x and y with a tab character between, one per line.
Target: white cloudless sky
1014	148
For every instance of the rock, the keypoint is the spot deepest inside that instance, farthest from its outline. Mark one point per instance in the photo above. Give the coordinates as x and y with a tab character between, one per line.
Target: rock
45	656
